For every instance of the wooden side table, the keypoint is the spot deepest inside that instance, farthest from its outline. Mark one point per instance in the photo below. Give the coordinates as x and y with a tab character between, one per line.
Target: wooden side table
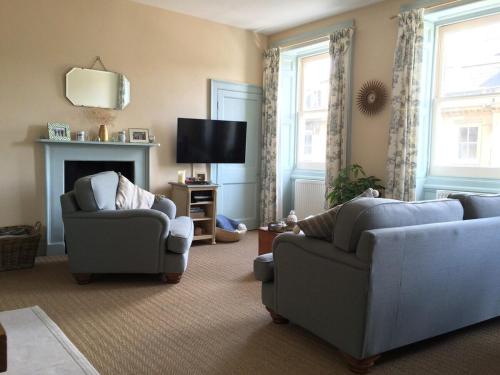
3	350
184	197
266	238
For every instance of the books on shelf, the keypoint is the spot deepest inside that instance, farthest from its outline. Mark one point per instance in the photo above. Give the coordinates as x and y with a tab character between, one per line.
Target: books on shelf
204	197
197	212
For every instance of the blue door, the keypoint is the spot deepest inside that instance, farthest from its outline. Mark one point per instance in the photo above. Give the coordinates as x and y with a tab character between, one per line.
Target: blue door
239	191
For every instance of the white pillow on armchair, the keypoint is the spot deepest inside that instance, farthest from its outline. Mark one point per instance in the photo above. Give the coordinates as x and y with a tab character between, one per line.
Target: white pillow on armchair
130	196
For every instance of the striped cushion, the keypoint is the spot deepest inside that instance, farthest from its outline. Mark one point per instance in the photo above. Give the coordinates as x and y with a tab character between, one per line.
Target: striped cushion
322	225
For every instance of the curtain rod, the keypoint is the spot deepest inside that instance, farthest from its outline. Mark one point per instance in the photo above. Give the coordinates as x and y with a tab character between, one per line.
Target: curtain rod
433	6
315	34
320	39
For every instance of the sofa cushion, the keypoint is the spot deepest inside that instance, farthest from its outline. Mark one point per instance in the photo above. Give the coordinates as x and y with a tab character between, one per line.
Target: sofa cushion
263	267
477	206
367	213
181	234
322	225
96	192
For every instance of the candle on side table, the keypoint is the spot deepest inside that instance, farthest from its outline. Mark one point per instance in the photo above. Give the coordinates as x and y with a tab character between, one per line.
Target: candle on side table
181	177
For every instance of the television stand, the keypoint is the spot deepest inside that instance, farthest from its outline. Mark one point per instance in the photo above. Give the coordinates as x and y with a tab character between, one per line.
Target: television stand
199	183
199	202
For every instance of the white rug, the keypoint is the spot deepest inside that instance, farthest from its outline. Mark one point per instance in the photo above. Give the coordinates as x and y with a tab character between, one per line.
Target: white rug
36	345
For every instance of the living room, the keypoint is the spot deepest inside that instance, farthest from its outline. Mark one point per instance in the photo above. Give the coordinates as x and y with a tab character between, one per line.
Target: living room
153	152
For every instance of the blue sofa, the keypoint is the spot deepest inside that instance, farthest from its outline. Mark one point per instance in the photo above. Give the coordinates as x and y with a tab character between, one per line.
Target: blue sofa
101	239
394	274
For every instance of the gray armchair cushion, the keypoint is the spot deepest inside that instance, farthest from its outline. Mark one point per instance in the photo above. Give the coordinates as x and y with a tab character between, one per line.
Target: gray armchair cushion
166	206
478	206
369	213
263	267
97	192
181	234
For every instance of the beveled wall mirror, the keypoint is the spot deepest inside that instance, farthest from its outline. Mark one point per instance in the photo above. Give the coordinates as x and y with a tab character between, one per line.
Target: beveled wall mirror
97	88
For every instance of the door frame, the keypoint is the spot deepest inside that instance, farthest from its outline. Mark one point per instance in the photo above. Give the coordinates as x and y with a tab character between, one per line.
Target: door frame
215	86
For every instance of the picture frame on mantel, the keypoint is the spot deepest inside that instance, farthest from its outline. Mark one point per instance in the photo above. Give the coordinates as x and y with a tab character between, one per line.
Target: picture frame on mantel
137	135
58	131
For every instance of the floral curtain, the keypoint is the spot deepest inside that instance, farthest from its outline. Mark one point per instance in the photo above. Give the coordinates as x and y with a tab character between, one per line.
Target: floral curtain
336	131
402	153
269	130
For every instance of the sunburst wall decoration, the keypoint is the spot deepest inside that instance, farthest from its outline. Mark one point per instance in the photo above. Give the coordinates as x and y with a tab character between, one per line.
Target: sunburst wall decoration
371	97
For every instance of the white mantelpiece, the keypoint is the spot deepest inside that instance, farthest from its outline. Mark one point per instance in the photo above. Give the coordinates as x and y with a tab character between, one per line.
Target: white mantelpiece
57	152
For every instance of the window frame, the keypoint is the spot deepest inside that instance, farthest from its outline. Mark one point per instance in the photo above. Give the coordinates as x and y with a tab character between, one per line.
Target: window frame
427	182
301	113
464	170
287	117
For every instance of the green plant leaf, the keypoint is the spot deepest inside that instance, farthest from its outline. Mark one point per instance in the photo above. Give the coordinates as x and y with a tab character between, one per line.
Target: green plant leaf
350	182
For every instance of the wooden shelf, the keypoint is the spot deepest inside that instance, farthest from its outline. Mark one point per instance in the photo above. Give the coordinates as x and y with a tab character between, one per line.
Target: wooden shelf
94	143
203	237
201	203
202	218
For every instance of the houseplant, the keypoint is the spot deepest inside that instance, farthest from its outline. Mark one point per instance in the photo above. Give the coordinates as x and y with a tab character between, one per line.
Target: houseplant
350	182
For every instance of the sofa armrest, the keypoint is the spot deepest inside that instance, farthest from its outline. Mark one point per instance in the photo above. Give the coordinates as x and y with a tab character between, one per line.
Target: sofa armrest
138	220
319	248
263	267
116	241
119	214
166	206
68	203
322	289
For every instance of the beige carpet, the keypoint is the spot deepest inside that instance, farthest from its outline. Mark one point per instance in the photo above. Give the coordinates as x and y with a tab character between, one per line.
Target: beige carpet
212	323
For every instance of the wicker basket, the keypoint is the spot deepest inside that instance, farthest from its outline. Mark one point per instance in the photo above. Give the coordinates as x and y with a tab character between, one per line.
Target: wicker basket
18	252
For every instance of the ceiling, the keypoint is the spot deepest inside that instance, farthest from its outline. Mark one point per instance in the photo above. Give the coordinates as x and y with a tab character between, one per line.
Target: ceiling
264	16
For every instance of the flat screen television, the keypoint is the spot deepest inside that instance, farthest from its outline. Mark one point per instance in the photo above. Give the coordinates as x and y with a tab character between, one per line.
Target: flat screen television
210	141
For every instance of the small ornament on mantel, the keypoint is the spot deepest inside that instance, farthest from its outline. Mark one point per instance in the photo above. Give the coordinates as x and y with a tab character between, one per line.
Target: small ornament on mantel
104	118
103	133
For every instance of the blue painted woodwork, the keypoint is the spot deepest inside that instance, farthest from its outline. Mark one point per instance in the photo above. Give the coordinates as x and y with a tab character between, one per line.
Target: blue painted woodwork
448	14
56	152
287	130
239	184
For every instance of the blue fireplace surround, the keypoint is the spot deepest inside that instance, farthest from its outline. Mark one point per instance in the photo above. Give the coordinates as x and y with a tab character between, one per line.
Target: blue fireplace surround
69	159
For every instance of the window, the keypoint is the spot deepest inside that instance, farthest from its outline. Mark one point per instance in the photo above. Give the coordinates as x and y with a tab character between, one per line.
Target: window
312	94
466	102
467	144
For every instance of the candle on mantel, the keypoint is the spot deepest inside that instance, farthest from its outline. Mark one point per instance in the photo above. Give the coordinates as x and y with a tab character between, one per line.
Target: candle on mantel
181	177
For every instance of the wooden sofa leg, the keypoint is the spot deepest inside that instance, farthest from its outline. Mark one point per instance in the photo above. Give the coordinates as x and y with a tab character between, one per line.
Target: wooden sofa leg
171	278
82	278
3	350
360	366
277	318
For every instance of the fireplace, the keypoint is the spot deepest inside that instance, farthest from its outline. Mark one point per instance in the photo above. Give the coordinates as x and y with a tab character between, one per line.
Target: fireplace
65	162
74	169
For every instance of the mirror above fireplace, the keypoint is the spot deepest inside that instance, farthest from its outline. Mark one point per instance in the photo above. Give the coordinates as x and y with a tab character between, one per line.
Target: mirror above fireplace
97	88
